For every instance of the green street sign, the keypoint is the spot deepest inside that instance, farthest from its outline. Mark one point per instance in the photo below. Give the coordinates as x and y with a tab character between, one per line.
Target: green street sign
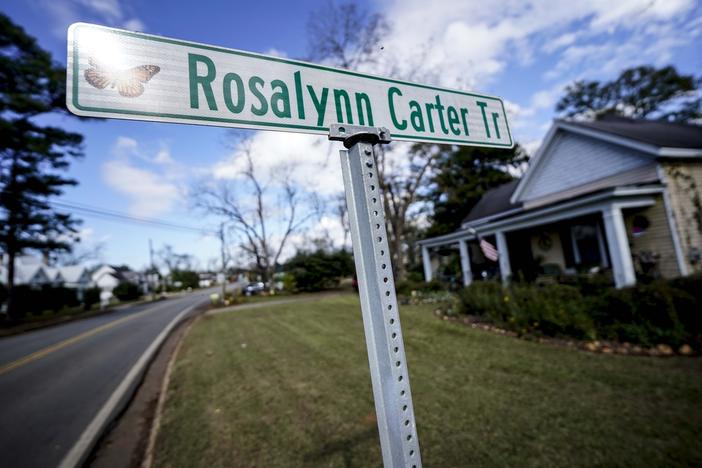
129	75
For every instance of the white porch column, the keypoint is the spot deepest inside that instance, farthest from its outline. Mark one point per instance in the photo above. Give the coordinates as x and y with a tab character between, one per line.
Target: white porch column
465	262
426	260
615	230
505	268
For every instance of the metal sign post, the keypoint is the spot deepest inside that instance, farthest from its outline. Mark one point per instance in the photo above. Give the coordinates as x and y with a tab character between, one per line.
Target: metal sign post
381	320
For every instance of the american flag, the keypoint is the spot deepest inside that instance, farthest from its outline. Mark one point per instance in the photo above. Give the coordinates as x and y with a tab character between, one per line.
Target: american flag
489	250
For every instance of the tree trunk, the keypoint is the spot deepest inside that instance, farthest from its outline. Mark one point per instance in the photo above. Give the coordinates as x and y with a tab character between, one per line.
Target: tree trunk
397	252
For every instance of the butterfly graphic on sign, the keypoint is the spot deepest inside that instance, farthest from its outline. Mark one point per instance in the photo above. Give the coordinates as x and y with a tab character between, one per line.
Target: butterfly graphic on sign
129	82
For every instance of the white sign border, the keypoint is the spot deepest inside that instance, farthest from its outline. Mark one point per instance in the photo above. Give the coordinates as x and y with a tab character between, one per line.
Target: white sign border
72	98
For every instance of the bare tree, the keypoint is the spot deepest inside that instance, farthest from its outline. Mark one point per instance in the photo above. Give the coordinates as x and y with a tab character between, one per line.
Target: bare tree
213	264
346	36
174	261
262	214
225	256
402	181
80	254
342	212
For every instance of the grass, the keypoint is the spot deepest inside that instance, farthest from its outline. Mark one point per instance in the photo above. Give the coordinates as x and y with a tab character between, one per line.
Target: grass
288	385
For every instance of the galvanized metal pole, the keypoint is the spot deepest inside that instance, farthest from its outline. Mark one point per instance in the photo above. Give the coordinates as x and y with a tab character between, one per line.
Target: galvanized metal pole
376	286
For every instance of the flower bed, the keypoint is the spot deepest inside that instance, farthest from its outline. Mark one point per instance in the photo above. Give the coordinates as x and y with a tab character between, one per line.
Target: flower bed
661	315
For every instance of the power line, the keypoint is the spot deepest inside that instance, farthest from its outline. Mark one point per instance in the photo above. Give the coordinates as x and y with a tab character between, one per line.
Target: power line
113	215
107	213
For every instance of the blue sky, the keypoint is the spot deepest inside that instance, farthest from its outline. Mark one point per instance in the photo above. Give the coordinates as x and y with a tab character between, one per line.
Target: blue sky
523	51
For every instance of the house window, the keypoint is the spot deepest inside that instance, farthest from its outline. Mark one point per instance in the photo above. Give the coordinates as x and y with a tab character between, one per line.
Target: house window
588	245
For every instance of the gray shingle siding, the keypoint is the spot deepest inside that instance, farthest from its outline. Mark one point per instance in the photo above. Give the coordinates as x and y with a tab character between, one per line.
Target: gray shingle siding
579	160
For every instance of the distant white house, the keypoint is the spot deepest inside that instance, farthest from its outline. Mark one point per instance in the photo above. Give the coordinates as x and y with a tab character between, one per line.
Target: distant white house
106	278
54	275
75	276
32	271
32	275
205	280
28	271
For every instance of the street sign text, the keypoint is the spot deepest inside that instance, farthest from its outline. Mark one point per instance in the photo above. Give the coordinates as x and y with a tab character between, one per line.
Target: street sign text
122	74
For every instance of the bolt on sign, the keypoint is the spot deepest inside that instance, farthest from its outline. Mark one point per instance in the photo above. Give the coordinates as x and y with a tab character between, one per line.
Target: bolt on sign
130	75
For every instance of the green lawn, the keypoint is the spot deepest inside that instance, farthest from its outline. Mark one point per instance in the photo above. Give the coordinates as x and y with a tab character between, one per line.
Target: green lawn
289	385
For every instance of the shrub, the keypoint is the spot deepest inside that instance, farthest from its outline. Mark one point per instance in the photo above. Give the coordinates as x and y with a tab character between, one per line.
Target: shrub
647	314
91	296
126	291
553	310
644	314
318	270
27	300
56	298
186	278
589	285
35	301
288	282
405	287
689	306
486	299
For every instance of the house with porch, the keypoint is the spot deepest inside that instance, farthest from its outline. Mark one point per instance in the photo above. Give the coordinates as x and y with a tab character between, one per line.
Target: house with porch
617	196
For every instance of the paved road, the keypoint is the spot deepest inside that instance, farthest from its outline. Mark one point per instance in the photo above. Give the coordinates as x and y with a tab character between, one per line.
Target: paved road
53	381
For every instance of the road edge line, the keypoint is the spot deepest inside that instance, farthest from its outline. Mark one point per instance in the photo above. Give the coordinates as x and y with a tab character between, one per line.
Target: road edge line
118	399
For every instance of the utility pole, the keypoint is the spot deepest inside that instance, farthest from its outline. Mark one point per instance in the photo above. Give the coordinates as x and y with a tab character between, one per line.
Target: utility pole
153	270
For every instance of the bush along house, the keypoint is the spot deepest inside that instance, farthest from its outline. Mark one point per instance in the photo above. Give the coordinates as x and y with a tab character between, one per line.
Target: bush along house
616	197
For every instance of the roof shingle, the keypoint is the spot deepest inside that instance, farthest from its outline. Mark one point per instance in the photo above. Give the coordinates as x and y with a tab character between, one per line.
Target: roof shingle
653	132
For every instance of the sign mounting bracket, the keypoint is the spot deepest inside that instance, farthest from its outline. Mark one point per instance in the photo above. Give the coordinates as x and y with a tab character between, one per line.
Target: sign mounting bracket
386	354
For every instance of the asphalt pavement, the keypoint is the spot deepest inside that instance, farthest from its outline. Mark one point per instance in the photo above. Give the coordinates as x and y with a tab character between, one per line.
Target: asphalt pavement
55	380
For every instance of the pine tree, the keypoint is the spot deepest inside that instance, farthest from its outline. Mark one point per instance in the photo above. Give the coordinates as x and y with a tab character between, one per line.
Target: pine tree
32	156
460	178
641	92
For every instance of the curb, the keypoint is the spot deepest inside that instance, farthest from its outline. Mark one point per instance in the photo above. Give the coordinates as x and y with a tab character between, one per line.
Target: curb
119	398
148	458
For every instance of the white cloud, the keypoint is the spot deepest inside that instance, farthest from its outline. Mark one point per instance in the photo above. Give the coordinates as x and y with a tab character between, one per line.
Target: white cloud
163	157
472	42
614	14
125	145
151	184
327	228
517	115
134	24
276	53
149	194
110	9
563	40
546	98
110	12
531	146
314	159
86	234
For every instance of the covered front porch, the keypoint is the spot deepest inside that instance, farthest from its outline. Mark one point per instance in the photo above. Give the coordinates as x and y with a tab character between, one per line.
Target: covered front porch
587	235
